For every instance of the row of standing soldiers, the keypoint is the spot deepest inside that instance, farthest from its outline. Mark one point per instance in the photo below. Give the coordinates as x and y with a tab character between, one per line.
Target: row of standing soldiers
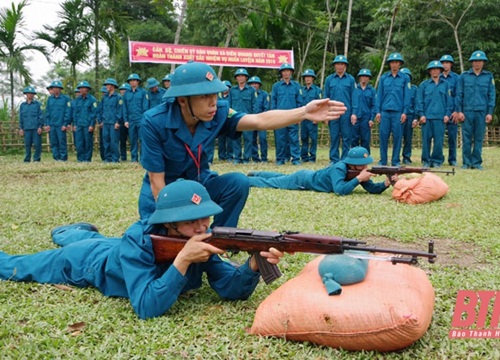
118	115
437	106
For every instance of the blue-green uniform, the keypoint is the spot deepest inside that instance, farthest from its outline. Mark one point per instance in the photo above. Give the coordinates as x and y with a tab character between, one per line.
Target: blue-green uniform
434	102
452	127
260	137
286	96
243	100
84	119
406	127
57	115
366	111
341	88
393	100
135	103
125	267
309	130
476	99
330	179
155	98
224	143
31	122
111	115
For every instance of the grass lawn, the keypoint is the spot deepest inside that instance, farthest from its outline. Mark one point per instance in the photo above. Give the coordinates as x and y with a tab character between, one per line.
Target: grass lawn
46	321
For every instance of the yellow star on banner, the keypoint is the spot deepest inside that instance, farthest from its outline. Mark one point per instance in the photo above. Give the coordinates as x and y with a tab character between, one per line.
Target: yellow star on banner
142	51
282	59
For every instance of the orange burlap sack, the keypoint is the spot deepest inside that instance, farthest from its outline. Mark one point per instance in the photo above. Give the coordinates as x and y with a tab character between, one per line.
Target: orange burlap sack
423	189
388	311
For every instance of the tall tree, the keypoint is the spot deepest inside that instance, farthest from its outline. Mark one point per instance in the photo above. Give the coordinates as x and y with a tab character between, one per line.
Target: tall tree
108	24
70	35
13	48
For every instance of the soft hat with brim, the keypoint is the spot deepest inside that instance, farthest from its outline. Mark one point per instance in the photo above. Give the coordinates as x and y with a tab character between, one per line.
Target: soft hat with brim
183	200
194	78
358	156
341	269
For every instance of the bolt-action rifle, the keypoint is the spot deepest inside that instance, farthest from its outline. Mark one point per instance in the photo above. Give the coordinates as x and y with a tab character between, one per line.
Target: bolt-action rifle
234	240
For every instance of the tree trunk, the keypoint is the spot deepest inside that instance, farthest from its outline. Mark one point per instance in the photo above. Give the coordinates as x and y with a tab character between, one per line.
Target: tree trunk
12	109
347	29
180	22
229	36
96	40
389	35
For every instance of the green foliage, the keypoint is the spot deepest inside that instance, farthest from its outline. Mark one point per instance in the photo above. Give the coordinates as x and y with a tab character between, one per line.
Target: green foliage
45	321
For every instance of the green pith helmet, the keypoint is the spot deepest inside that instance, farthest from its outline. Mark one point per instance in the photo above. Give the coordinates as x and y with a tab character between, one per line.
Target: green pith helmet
254	80
395	57
104	90
309	72
435	64
241	71
285	66
151	83
125	86
134	77
183	200
358	156
110	81
83	84
340	59
77	91
407	72
478	55
227	83
167	77
364	72
448	58
56	84
194	78
29	90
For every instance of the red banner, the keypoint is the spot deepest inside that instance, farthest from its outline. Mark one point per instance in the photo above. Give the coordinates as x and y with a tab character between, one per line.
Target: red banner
148	52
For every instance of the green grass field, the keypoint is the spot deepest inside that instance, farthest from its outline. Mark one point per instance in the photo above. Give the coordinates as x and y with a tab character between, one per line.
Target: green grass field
36	320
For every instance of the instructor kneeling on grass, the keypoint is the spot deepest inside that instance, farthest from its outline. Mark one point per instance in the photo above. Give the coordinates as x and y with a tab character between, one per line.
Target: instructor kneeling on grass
125	267
330	179
176	138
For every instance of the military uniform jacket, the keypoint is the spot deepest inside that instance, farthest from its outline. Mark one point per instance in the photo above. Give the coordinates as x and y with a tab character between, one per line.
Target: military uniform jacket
165	140
452	80
58	111
156	98
135	103
393	93
244	100
30	115
111	109
286	96
366	108
434	100
84	111
476	92
341	88
262	101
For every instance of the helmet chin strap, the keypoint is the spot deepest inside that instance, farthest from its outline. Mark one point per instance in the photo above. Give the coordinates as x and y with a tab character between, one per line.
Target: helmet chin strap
191	109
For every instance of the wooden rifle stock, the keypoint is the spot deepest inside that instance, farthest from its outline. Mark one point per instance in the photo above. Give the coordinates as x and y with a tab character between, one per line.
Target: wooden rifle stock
235	240
393	170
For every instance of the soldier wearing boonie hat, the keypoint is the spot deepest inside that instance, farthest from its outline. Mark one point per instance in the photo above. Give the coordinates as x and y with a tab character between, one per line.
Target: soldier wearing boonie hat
175	138
126	266
331	179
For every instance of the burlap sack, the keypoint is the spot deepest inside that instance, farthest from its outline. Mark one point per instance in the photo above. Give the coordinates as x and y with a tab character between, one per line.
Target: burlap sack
418	190
389	310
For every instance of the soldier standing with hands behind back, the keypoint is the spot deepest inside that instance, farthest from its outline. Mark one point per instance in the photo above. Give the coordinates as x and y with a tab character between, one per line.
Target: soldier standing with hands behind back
30	124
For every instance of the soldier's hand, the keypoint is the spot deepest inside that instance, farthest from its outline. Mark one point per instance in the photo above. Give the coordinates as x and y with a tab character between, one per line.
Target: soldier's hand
377	118
364	175
488	118
21	132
